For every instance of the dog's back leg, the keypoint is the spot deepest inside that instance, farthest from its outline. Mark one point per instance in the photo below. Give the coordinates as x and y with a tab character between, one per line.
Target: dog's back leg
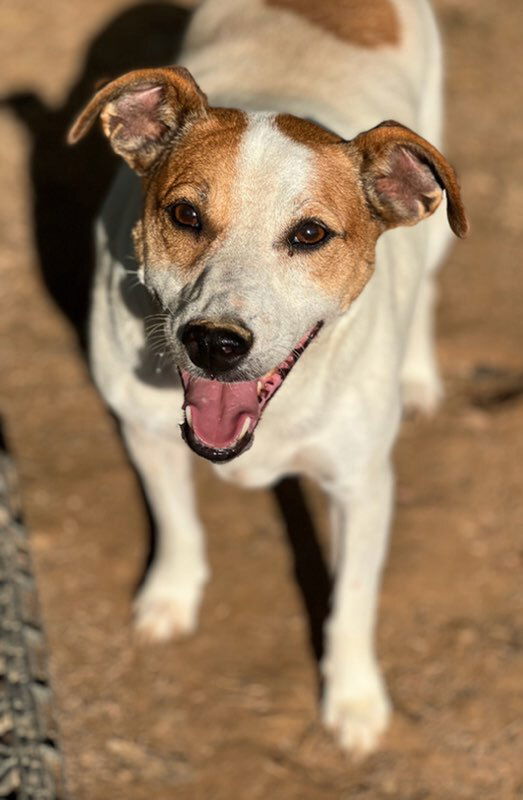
168	602
421	384
422	387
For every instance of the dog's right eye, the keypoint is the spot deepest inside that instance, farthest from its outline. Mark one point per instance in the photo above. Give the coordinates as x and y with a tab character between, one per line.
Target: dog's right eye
185	216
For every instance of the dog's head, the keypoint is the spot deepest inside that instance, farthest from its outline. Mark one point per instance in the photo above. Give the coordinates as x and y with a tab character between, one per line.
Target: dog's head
256	230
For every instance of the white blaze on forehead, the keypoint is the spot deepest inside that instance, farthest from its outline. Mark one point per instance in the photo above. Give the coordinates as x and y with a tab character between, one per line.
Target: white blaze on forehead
273	173
276	298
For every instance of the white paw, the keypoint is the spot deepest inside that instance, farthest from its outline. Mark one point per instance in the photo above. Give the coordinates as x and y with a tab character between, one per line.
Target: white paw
166	608
421	393
357	720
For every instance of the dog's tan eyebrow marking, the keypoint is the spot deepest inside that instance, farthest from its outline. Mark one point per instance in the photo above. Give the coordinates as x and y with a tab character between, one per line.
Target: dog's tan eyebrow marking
365	23
304	131
202	170
183	188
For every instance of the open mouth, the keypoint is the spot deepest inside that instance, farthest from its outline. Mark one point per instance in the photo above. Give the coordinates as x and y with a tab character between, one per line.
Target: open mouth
220	418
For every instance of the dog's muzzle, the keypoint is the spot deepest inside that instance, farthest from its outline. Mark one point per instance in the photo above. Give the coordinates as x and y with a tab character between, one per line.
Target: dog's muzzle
220	416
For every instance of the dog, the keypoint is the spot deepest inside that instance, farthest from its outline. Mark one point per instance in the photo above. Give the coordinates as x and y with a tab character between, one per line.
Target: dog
277	271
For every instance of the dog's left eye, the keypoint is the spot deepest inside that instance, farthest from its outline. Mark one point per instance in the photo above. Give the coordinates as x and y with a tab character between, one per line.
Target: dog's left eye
185	215
309	233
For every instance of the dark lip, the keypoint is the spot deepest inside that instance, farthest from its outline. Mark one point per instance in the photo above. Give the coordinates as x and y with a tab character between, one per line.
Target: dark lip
213	454
221	456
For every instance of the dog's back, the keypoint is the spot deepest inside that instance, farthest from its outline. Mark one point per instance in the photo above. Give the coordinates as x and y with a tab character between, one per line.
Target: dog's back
347	64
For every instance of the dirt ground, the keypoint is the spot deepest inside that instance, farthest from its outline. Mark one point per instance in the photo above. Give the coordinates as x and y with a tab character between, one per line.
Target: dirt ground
232	712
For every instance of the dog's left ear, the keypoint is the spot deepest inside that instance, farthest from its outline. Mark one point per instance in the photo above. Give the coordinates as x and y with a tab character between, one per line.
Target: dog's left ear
404	177
142	112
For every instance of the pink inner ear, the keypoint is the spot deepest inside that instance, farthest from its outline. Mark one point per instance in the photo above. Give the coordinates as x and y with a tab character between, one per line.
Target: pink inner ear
408	183
137	114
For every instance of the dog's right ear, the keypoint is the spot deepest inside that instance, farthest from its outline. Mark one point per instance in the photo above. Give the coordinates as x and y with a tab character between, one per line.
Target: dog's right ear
142	112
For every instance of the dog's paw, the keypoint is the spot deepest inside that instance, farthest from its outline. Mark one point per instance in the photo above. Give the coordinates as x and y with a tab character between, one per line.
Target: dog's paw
421	394
165	609
357	720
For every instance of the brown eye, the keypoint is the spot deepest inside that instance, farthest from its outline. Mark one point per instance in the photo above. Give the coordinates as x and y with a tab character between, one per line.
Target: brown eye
309	233
185	215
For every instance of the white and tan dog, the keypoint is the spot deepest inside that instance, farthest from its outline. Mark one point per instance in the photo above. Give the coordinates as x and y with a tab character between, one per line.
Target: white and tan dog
256	240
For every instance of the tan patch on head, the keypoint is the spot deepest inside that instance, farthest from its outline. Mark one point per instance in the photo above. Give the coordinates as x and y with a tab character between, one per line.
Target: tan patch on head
305	132
335	197
344	265
366	23
383	178
200	170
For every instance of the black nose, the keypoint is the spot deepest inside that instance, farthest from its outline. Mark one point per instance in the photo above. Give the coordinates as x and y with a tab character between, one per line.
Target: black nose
216	348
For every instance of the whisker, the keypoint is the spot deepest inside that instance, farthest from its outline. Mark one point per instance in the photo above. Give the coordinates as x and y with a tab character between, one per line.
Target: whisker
159	316
157	349
156	335
157	326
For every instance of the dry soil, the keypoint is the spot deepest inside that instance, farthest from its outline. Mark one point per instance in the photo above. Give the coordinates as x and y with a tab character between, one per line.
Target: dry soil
232	712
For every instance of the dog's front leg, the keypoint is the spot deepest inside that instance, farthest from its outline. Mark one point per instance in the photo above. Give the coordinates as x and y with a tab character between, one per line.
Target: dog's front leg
168	602
355	702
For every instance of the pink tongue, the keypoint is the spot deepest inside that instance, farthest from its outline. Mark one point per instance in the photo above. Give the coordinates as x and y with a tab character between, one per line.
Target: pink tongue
219	410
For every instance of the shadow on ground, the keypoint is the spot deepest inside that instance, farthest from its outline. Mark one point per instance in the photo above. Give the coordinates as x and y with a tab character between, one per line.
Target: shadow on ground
69	183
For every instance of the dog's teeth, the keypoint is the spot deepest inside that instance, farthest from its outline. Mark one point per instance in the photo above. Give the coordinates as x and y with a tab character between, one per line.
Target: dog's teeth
245	428
259	387
188	415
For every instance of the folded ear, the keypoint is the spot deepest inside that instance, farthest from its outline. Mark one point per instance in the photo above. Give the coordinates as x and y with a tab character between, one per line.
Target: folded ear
142	111
404	177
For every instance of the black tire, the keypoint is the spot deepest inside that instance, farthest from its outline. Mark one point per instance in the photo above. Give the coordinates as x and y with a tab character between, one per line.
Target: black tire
30	763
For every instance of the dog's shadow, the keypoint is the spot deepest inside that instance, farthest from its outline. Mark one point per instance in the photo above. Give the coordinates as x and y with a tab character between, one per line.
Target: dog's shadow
310	568
69	185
